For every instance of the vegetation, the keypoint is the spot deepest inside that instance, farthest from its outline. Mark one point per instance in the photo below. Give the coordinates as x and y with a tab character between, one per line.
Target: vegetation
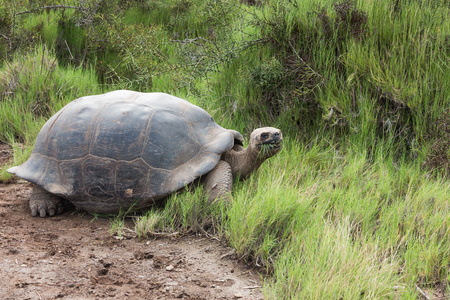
356	206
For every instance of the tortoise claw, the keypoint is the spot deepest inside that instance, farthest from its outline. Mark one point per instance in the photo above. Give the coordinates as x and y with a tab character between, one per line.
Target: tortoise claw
33	210
45	203
42	213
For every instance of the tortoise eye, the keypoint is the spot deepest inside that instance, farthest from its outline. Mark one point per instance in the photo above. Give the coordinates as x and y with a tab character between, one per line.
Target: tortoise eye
264	136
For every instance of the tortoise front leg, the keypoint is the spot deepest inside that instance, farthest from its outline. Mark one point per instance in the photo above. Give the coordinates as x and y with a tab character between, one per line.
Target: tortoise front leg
219	183
44	203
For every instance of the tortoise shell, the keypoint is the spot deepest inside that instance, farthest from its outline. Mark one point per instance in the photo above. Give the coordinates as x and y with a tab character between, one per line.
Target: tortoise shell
124	148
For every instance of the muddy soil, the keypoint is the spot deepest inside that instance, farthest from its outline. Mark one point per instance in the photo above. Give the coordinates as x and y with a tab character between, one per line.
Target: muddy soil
74	256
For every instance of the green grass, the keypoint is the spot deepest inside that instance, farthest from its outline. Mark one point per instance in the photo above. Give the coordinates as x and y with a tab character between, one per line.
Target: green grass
45	24
34	87
334	225
351	208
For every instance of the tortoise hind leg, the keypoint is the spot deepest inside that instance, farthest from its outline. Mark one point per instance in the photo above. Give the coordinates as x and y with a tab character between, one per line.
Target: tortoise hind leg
44	203
219	183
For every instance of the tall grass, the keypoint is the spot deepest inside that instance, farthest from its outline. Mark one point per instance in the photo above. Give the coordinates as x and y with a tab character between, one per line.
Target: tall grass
34	87
339	226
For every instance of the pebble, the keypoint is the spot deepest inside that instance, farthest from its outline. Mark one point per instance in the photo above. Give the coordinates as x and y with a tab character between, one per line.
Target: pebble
170	268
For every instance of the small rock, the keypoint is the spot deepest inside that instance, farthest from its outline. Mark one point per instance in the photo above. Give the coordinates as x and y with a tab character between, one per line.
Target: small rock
170	268
238	296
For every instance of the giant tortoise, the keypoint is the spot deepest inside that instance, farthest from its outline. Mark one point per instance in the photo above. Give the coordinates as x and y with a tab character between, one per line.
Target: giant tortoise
112	151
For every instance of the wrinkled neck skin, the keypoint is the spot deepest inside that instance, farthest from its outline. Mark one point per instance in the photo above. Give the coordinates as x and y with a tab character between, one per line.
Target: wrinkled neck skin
243	162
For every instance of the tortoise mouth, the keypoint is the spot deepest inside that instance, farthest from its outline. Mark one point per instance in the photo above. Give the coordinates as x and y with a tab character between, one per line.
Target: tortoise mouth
270	145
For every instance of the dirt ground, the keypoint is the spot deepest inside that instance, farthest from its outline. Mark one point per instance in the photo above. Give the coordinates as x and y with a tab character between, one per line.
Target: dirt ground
73	256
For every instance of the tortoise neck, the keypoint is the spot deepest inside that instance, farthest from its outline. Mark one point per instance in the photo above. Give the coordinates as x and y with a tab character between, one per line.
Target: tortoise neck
243	162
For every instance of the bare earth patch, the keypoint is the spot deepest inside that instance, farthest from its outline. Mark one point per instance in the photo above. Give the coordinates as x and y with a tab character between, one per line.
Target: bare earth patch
72	256
5	154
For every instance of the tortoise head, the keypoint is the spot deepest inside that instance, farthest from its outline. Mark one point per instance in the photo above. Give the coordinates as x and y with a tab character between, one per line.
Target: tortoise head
266	141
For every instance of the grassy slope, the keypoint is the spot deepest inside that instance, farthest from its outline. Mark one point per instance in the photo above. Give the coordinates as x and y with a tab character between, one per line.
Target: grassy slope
346	210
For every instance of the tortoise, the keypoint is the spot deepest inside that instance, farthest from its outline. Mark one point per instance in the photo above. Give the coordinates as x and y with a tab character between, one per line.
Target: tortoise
123	149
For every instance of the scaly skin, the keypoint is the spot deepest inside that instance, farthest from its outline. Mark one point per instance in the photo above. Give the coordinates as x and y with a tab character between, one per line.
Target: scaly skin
264	143
219	182
240	162
44	203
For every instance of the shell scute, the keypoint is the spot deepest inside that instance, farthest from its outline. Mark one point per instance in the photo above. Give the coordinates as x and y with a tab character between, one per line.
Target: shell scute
120	131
